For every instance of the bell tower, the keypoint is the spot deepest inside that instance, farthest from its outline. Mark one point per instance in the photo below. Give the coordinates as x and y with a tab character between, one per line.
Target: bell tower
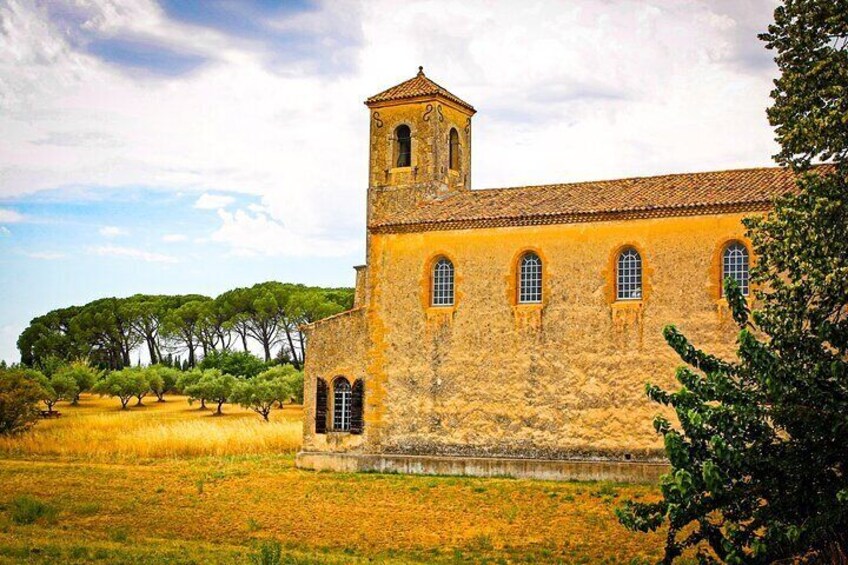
420	146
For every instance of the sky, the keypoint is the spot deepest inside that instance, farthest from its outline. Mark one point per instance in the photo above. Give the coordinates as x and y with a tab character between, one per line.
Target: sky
193	146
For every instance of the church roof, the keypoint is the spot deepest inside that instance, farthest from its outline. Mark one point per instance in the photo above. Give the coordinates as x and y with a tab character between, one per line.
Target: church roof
417	86
744	190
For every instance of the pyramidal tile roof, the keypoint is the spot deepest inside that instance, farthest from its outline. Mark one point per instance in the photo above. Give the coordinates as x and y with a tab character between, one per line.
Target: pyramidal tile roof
745	190
417	86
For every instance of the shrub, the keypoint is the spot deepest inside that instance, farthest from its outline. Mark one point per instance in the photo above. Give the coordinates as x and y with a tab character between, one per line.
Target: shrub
19	397
28	510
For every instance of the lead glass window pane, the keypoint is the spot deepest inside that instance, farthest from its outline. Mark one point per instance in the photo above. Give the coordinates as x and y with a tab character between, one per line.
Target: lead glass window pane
530	279
735	266
442	291
629	275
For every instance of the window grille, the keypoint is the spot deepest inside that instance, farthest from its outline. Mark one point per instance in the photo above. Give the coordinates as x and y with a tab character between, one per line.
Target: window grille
735	266
341	405
530	279
454	150
403	141
629	275
442	291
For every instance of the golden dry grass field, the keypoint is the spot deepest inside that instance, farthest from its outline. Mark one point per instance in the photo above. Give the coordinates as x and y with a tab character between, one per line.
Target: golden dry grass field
167	483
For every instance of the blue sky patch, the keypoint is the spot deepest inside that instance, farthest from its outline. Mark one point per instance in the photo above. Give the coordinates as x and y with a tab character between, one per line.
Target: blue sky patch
141	54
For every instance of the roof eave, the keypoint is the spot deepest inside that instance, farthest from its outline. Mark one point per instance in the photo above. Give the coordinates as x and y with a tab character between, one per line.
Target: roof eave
463	107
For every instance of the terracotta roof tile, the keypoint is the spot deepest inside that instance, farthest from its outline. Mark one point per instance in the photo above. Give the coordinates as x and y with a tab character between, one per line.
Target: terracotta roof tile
666	195
419	85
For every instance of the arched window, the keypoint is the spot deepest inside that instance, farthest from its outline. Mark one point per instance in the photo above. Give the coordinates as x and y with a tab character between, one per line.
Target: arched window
442	291
629	275
734	264
341	405
454	150
530	279
403	146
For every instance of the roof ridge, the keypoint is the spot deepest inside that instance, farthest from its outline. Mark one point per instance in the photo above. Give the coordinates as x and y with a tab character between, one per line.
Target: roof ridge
627	179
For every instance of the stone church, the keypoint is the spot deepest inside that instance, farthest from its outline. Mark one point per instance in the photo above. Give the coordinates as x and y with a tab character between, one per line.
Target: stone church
511	331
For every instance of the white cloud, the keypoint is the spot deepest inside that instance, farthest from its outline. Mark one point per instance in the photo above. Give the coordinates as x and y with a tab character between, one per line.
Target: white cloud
5	231
9	216
112	231
260	234
133	253
213	201
174	237
682	87
45	255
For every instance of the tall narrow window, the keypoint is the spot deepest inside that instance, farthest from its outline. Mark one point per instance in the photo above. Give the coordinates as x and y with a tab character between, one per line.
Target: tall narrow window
735	265
530	279
341	405
357	402
403	146
454	150
442	292
629	275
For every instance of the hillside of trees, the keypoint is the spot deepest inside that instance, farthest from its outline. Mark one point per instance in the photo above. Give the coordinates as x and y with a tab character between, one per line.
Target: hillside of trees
110	333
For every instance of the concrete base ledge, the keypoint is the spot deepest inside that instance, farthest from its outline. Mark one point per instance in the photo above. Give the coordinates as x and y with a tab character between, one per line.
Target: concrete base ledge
545	469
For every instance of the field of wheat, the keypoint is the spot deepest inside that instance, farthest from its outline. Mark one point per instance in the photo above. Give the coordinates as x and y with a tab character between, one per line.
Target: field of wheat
99	429
168	483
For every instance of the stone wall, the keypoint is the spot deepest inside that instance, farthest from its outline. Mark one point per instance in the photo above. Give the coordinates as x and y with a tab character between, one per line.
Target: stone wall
559	380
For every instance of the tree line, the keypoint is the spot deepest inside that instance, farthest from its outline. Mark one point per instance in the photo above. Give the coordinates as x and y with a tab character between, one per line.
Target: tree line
238	378
176	330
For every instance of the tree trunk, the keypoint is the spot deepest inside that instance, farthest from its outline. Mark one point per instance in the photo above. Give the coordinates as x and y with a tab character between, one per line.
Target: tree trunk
124	402
219	412
151	350
139	401
202	404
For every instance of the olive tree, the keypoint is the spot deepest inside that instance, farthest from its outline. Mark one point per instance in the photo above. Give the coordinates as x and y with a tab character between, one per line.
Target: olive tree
124	385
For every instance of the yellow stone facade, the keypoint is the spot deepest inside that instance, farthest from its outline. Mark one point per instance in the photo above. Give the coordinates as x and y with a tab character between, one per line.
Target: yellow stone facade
489	377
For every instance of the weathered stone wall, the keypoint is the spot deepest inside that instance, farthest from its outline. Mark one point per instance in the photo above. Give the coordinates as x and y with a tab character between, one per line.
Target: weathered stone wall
429	176
563	379
337	347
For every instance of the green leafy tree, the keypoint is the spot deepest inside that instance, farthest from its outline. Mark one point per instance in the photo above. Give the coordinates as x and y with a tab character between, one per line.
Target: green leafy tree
19	398
162	380
759	458
190	378
124	385
82	374
213	387
182	326
291	380
236	363
259	395
58	387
